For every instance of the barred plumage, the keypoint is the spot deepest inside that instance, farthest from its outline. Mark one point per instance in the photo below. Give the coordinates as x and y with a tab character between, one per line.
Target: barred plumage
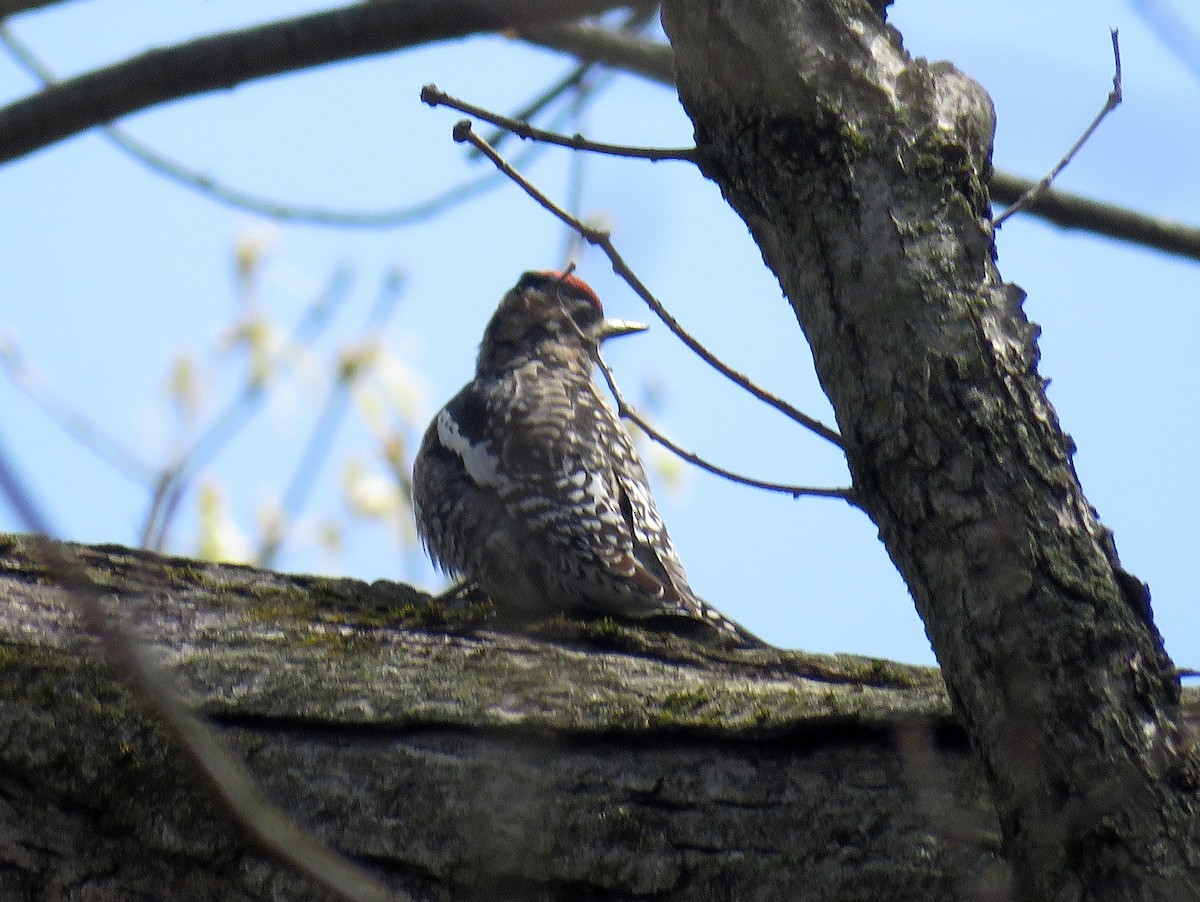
527	483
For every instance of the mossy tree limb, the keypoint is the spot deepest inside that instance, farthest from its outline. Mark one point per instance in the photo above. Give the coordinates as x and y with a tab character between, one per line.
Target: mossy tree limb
587	763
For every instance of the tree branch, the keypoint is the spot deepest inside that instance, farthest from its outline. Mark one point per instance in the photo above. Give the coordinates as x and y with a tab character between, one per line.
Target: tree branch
595	761
222	61
1074	211
595	44
434	96
859	171
655	61
210	187
13	7
629	412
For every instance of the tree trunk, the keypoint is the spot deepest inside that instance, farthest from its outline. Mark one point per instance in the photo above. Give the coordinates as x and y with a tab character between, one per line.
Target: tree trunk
862	175
459	763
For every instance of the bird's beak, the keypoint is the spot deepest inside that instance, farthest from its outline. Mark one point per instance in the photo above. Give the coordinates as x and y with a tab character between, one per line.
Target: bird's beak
611	328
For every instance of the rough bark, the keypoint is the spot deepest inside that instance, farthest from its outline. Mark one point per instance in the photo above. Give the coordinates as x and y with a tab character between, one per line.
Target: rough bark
460	763
862	175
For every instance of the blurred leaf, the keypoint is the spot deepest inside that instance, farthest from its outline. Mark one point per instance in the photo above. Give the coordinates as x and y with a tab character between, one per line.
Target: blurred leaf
330	535
184	388
218	537
250	248
354	360
370	494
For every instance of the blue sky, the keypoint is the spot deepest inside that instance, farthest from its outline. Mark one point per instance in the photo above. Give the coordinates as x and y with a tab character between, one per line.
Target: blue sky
112	272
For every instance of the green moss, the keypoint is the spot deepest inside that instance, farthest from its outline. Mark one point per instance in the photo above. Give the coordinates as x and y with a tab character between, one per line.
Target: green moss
852	139
686	700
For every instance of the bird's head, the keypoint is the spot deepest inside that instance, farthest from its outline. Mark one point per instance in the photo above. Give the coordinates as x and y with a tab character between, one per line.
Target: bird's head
550	316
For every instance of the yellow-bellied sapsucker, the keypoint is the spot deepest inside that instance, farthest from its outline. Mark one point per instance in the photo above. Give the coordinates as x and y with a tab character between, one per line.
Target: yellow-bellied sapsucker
528	485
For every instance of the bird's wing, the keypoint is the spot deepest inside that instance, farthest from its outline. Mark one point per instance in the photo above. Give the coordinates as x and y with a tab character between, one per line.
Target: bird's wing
563	471
572	474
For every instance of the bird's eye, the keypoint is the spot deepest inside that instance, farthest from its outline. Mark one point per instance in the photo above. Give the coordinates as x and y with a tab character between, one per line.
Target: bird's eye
581	310
581	307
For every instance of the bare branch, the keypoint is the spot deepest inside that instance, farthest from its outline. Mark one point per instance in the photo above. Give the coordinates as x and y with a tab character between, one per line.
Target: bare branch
394	217
173	481
601	239
170	73
638	18
320	440
208	186
627	411
13	7
655	61
571	81
266	824
1074	211
224	60
1110	104
72	420
434	96
596	44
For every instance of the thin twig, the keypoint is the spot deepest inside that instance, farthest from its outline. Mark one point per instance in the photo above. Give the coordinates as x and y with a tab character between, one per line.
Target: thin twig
211	188
342	34
75	423
602	239
627	411
634	22
571	80
266	824
328	422
434	96
174	480
1110	104
654	61
393	217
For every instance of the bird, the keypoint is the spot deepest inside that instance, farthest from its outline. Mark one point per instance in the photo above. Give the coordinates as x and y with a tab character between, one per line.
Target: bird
528	486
